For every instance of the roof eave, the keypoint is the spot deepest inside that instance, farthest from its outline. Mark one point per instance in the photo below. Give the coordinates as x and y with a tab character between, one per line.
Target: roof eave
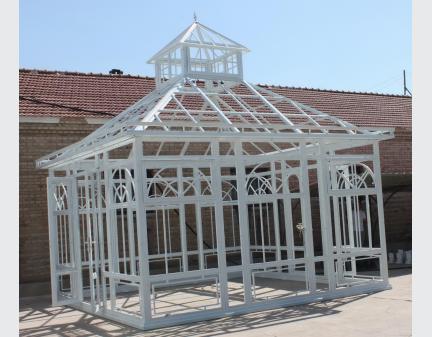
167	49
44	163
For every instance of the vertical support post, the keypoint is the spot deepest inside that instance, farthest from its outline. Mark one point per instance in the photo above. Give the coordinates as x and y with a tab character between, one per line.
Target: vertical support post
275	212
350	220
101	230
380	204
96	275
336	213
243	222
74	232
111	234
198	220
325	216
368	218
307	219
141	188
130	223
158	74
182	220
240	64
288	216
216	184
185	58
89	240
53	237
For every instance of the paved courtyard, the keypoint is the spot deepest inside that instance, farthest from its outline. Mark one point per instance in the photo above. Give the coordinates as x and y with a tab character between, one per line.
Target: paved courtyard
383	314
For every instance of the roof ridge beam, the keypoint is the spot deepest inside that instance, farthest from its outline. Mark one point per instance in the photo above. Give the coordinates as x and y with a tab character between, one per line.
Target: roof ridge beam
154	112
187	112
239	102
339	121
294	103
271	106
223	37
213	105
311	109
235	112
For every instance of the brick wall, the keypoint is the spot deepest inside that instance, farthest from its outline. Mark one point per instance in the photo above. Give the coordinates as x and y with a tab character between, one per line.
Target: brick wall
398	213
396	154
39	139
35	141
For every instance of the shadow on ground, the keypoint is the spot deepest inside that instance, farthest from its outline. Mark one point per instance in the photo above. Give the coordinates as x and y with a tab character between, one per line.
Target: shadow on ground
38	318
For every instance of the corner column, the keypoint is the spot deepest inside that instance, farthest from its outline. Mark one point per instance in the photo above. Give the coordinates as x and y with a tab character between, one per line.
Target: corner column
216	184
307	219
141	188
325	216
380	205
243	222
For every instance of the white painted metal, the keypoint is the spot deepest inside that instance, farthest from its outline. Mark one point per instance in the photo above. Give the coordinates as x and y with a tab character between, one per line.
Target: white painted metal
216	194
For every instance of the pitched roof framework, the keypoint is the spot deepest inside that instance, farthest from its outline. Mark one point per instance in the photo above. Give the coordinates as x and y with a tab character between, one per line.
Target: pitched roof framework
190	107
193	104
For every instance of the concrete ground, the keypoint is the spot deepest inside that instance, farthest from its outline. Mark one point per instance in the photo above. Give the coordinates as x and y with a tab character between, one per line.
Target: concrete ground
383	314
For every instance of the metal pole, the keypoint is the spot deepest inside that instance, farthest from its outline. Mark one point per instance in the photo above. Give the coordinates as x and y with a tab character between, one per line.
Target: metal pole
307	220
378	186
243	223
325	215
140	185
220	232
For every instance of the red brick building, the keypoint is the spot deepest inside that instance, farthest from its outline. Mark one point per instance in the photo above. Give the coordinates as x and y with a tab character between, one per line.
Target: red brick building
60	108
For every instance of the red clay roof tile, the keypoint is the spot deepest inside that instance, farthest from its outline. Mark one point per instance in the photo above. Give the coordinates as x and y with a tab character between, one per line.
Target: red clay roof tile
71	94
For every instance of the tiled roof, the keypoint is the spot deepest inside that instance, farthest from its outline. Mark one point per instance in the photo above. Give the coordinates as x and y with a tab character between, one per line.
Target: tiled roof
71	94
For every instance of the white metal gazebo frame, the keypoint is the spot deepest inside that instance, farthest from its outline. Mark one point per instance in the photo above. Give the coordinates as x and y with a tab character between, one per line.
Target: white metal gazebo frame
181	207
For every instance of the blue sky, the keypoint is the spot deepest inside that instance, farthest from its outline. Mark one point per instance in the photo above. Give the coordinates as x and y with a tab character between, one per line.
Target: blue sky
344	45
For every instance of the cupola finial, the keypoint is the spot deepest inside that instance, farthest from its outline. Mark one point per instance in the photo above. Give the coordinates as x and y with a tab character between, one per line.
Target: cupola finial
199	53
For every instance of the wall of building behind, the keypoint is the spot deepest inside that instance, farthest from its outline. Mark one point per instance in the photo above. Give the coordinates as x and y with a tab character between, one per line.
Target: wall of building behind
39	139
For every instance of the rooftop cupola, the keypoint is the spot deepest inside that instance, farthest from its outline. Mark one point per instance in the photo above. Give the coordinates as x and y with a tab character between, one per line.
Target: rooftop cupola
199	52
